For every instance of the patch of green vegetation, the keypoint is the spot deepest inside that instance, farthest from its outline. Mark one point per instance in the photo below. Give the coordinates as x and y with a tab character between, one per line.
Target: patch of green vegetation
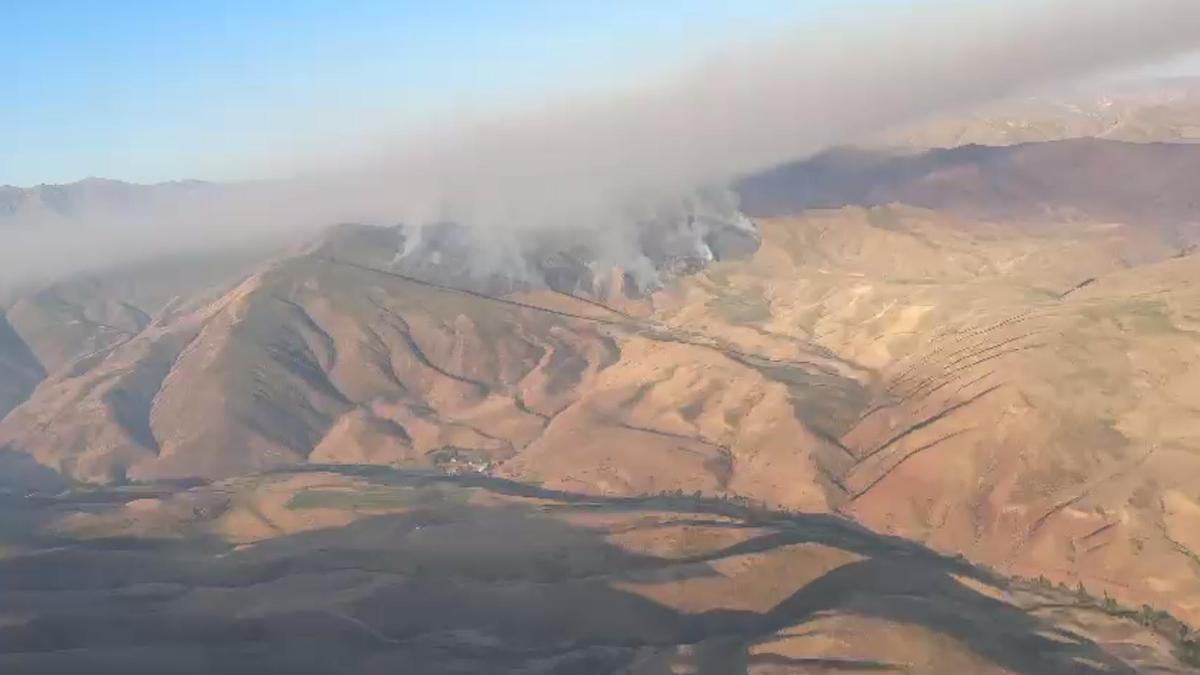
884	218
739	310
692	410
723	274
1039	294
1187	643
380	498
1188	652
1140	316
1099	433
733	417
645	388
742	505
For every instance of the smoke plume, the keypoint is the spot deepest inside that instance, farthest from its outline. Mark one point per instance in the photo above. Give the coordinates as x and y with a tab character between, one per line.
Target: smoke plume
599	170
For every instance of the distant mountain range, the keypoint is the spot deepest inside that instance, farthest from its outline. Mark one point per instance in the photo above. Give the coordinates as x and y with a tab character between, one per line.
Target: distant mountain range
1143	111
1152	184
85	199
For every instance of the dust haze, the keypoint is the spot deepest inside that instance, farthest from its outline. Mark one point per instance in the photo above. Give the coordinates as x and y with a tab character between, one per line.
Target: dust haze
597	169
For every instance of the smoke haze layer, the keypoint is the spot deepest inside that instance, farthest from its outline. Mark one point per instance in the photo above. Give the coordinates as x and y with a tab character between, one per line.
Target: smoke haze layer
596	171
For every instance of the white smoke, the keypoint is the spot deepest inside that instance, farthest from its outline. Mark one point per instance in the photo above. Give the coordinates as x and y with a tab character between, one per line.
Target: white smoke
601	166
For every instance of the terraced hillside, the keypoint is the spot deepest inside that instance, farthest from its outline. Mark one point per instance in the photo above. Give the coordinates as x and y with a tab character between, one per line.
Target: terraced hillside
1031	397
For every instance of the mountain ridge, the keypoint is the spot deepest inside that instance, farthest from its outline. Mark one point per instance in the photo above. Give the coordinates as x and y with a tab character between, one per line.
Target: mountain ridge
1010	384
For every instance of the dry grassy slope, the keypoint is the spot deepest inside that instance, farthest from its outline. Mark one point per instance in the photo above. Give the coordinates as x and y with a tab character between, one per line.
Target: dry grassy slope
1021	391
48	328
324	358
66	322
1033	395
382	572
312	357
670	416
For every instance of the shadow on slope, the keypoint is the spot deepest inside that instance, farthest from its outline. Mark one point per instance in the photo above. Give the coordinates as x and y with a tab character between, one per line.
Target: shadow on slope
20	370
468	588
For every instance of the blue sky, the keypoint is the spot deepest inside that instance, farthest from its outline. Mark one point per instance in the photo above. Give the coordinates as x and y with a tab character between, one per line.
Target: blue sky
149	91
146	90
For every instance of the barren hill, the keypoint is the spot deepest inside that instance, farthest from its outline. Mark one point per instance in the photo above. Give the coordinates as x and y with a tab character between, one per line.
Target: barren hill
1152	185
1030	395
986	349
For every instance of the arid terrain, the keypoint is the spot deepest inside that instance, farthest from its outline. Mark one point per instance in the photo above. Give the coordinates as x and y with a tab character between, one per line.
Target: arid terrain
938	416
372	570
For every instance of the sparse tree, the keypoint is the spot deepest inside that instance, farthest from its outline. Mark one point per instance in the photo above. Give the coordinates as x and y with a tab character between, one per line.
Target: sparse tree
1110	604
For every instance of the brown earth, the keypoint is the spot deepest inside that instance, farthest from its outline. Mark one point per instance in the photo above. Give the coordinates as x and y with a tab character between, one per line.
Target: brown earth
1006	371
1034	412
382	571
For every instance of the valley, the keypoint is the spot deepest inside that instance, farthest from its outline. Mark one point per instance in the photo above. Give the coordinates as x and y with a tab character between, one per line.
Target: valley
380	570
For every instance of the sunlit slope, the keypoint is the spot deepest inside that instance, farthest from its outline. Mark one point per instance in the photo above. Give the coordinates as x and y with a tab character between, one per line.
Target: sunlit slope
324	357
1033	396
292	360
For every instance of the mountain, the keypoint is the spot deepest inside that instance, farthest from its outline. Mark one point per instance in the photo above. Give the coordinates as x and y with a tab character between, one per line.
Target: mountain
1029	397
88	198
1081	179
987	350
331	355
1163	110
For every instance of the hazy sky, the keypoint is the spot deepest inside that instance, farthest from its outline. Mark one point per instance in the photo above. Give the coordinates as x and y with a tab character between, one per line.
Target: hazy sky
561	119
144	90
150	90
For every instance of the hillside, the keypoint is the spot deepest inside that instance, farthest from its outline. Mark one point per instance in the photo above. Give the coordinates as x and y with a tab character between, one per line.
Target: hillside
1151	185
988	350
1031	398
